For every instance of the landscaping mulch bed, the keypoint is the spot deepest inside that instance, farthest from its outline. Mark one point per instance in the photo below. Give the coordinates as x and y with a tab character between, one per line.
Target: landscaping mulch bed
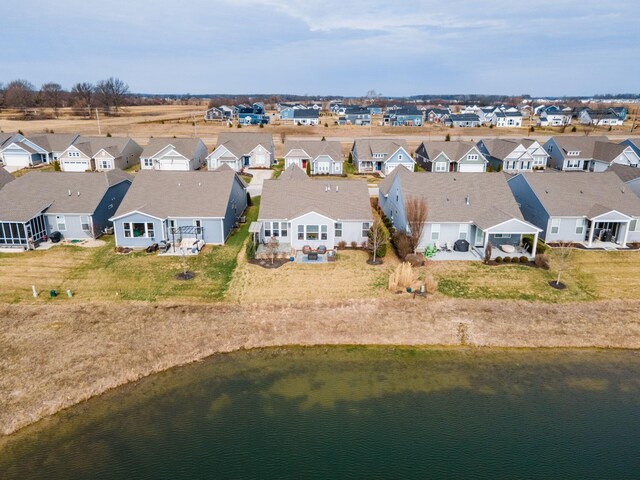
557	286
376	262
277	263
185	275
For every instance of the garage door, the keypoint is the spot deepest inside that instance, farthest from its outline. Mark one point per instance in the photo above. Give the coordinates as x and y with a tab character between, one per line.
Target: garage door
471	168
75	166
172	165
16	160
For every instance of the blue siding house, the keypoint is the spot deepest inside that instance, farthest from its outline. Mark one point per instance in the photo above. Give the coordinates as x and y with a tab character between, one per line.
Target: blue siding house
177	206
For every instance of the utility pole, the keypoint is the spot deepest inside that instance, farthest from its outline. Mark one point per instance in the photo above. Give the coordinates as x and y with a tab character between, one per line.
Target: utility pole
98	120
195	127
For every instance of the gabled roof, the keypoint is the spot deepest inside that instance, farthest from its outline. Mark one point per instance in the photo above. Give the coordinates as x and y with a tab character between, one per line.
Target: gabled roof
366	147
626	173
315	148
464	117
291	196
500	148
54	142
305	113
597	148
187	147
165	194
30	194
490	201
504	113
453	150
5	138
5	177
90	146
241	143
576	194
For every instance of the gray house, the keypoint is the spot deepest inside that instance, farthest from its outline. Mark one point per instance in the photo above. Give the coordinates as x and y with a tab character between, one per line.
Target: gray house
461	120
439	156
174	154
5	177
629	175
176	206
21	152
78	205
591	154
241	150
596	210
514	155
474	207
100	153
323	157
380	155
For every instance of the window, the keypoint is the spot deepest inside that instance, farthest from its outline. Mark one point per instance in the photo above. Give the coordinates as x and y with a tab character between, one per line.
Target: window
147	162
399	156
435	231
634	225
300	232
74	154
365	229
61	223
84	222
284	229
441	167
275	229
579	226
323	232
312	232
463	232
573	163
472	157
267	229
555	225
479	236
198	225
338	230
139	230
104	164
502	235
172	226
573	153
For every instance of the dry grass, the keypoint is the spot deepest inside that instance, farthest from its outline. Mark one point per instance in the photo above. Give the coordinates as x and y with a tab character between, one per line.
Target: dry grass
54	357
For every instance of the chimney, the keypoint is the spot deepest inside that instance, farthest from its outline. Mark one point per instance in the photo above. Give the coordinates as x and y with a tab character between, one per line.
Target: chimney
69	192
468	200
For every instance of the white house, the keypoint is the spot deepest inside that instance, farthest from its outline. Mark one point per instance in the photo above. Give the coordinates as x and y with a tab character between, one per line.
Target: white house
505	118
243	150
380	155
591	154
320	156
439	156
20	152
100	153
514	155
174	154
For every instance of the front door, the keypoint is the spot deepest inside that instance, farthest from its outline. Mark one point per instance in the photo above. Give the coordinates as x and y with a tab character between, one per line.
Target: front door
304	164
378	166
246	161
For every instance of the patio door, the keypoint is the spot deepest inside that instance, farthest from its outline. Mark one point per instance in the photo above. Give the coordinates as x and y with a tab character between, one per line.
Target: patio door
479	238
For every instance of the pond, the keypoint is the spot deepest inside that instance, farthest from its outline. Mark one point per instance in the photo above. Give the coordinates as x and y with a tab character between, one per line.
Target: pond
353	412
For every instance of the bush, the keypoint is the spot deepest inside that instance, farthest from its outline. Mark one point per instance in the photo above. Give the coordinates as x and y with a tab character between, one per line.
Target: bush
239	126
326	125
491	125
262	125
415	259
515	259
507	259
342	244
532	129
56	166
251	251
574	129
363	245
447	138
527	242
402	244
354	244
498	259
108	134
381	251
542	261
524	259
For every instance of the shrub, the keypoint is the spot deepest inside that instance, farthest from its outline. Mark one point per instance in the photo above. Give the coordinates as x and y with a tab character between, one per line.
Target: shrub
363	245
239	126
498	259
381	251
491	125
402	277
262	125
542	261
354	244
326	125
515	259
251	250
532	129
56	166
574	129
527	242
342	244
507	259
489	168
499	167
524	259
108	134
402	244
447	138
430	285
415	259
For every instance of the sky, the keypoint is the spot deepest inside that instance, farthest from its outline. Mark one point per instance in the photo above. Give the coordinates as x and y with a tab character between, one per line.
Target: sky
328	47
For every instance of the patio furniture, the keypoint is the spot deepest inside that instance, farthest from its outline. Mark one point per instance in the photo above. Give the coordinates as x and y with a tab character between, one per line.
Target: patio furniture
448	246
436	245
306	249
331	256
461	246
322	249
312	256
508	248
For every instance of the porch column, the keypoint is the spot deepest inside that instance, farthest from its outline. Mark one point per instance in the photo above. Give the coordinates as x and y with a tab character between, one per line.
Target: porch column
591	233
626	234
534	247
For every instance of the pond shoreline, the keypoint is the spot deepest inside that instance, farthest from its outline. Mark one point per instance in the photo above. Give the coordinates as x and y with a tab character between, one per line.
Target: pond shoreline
53	357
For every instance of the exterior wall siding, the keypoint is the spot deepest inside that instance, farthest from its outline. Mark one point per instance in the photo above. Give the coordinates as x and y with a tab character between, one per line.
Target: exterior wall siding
73	228
531	208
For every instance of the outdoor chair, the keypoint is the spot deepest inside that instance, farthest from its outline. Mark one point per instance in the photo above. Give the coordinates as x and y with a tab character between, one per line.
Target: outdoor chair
448	247
322	249
306	249
437	245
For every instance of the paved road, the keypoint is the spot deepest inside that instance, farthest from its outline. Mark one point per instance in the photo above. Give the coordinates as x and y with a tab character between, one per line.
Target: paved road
259	176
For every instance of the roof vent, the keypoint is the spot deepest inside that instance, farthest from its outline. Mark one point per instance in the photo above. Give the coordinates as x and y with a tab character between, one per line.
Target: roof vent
69	192
468	200
78	192
546	190
623	188
581	191
337	189
199	184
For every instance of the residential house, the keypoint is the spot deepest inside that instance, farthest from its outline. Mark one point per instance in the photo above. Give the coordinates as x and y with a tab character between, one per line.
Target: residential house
241	150
78	205
621	112
634	143
596	210
251	115
302	212
503	118
374	109
214	114
6	139
180	206
513	155
306	116
604	117
434	115
380	156
355	116
461	120
486	114
21	152
629	175
439	156
174	154
477	208
5	177
592	154
554	118
100	153
321	157
286	113
407	116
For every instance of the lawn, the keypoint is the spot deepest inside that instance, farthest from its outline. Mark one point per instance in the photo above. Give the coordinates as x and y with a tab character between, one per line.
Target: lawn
101	274
278	168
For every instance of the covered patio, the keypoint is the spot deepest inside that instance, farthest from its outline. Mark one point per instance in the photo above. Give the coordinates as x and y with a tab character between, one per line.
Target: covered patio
506	238
608	230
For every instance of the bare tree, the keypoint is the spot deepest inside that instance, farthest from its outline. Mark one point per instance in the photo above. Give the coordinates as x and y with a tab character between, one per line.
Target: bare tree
416	210
487	253
561	255
272	248
82	97
19	93
377	237
112	93
51	95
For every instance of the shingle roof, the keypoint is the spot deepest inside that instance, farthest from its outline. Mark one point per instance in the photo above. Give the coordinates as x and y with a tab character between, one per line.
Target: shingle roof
186	147
366	147
164	194
502	113
597	148
5	137
578	193
315	148
500	148
453	150
92	145
291	196
625	172
54	142
32	193
305	113
464	117
241	143
5	177
490	199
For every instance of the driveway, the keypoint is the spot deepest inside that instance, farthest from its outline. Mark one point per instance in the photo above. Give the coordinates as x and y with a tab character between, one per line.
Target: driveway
259	176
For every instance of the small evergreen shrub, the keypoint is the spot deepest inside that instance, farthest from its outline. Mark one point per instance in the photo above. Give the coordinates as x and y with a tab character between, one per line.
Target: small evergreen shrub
524	259
498	259
108	134
515	259
507	260
574	129
447	138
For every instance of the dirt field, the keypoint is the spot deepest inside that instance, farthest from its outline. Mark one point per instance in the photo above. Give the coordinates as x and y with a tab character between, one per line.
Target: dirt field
55	357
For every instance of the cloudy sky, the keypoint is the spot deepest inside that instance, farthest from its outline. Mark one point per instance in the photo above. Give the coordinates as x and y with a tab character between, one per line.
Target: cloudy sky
340	47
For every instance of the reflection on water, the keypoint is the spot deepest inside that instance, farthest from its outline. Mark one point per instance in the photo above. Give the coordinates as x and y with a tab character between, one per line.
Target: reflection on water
353	412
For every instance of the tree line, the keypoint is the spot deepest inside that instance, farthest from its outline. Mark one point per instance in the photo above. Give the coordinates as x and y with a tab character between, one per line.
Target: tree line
109	95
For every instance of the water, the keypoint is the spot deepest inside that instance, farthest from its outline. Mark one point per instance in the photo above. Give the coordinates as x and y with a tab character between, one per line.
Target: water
353	413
